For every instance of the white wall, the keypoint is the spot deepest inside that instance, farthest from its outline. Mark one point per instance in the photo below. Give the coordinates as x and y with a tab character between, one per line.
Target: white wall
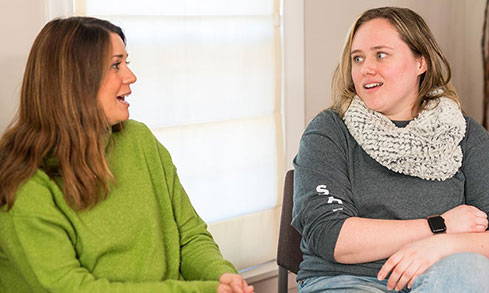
457	26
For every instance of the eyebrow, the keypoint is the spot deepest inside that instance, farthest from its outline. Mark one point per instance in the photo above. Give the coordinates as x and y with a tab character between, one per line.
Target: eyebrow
372	49
119	56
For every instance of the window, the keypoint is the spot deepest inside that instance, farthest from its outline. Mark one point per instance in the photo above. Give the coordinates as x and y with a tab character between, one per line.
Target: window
209	87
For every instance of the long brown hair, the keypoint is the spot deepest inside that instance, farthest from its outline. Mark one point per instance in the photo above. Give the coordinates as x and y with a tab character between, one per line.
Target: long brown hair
59	117
414	31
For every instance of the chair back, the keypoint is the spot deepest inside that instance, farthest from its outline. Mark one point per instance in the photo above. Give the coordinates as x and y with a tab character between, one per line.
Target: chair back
289	255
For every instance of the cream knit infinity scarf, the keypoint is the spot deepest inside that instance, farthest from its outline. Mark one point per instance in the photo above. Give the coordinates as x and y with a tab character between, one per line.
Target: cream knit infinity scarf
428	147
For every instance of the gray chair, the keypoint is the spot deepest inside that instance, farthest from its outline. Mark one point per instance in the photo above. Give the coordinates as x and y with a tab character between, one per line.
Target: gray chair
289	255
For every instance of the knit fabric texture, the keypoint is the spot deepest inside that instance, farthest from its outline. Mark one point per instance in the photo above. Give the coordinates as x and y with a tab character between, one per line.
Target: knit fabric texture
144	237
428	147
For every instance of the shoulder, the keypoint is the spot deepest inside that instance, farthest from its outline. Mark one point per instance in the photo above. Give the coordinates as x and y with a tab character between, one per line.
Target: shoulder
135	128
135	134
325	134
474	133
37	196
137	138
327	123
327	116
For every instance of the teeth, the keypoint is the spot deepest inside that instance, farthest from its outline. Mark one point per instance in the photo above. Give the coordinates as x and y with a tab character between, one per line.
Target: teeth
371	85
122	99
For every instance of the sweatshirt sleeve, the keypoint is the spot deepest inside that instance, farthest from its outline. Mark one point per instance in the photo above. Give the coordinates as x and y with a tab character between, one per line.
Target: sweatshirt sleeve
322	189
476	166
200	255
39	241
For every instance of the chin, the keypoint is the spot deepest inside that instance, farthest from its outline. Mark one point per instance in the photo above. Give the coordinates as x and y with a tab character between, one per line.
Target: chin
123	118
372	104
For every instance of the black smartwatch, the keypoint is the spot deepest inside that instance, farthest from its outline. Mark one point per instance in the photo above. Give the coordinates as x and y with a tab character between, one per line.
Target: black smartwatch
437	224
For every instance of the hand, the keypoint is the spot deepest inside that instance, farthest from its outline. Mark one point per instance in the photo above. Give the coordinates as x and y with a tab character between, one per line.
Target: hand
411	261
233	283
465	219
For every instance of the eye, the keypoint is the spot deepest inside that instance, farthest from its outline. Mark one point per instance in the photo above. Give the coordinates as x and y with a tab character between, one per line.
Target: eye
381	55
357	59
116	65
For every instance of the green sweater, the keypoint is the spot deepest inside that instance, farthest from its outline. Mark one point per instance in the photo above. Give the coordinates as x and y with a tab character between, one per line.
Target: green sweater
144	237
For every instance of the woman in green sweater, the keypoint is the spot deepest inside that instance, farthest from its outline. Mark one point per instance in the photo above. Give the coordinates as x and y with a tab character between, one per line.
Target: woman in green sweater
91	201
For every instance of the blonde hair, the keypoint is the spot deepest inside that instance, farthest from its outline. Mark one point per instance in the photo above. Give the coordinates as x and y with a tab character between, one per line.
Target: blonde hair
413	30
59	116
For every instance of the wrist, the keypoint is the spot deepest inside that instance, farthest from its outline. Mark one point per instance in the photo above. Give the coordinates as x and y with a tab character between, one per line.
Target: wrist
436	224
448	244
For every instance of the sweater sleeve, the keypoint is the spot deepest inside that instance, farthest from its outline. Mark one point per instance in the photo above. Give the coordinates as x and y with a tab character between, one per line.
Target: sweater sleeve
322	189
40	244
476	166
200	255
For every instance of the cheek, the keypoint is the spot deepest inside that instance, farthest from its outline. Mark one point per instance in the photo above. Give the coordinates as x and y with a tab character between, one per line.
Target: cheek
111	83
356	76
405	72
111	86
402	68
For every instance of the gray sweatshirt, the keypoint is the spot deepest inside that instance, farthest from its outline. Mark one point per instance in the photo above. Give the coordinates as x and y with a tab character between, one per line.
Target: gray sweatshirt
335	179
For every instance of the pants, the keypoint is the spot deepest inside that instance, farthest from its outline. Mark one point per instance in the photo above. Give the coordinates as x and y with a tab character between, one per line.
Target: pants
461	272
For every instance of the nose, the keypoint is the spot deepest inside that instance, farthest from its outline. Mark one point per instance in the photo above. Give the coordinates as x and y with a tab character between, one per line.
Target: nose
130	77
368	67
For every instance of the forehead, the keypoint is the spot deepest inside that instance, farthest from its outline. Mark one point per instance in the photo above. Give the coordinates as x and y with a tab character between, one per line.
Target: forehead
118	46
374	33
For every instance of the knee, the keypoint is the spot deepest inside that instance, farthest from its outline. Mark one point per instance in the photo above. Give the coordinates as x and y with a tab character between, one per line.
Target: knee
467	262
466	269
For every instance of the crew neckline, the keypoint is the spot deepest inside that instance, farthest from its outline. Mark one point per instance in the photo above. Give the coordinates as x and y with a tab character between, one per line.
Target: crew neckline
401	123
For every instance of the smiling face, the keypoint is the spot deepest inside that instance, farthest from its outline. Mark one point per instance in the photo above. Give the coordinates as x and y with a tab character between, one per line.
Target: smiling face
384	70
115	86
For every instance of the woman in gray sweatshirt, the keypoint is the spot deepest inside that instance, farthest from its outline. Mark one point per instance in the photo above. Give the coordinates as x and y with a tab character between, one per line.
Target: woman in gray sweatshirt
391	187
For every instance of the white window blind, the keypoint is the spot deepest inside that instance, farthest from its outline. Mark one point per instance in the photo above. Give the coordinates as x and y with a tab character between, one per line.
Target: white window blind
209	87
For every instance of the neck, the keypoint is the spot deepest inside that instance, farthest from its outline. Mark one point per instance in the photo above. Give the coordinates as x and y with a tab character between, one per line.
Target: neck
405	115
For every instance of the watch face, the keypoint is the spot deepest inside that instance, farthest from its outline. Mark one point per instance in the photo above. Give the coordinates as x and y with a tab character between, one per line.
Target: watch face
437	224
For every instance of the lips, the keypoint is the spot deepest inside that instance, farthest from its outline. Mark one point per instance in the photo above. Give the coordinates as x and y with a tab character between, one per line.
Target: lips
372	85
122	98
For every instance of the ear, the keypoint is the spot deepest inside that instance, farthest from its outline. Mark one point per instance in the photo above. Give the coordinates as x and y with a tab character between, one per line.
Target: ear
422	67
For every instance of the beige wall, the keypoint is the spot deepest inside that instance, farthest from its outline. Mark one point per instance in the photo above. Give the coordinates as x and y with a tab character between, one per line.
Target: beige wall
457	25
20	22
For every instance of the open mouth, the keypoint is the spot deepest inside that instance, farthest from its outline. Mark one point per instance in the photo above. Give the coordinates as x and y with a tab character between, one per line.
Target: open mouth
122	99
373	85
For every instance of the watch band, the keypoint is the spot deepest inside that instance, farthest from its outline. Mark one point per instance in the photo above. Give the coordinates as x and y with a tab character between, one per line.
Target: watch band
437	224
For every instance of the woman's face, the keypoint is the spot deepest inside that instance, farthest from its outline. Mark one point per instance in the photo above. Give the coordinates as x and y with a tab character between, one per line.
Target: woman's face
385	72
115	87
